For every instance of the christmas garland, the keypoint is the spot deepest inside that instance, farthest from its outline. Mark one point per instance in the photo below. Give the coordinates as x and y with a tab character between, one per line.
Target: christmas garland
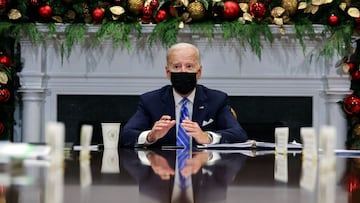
243	20
9	65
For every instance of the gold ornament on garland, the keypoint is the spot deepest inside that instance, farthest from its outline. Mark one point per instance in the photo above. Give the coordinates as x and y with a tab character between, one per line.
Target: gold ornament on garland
302	5
320	2
135	6
290	6
244	7
3	78
196	10
353	12
310	8
57	19
71	15
86	12
14	14
116	12
277	13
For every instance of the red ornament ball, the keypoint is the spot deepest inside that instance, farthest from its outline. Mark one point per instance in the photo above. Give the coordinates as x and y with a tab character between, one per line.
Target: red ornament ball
351	67
5	60
2	128
351	104
355	75
231	10
154	4
147	12
258	10
160	16
333	20
98	15
4	95
45	12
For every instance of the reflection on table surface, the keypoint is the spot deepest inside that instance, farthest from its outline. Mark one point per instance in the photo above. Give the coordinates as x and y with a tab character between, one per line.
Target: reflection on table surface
138	175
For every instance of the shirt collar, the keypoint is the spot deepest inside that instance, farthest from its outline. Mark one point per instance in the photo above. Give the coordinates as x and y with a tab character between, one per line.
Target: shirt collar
178	98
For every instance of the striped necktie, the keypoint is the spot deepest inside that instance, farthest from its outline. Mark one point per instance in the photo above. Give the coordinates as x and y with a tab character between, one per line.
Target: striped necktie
182	139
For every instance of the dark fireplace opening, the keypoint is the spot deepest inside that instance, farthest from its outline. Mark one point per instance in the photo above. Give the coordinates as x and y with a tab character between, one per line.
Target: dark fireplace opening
258	115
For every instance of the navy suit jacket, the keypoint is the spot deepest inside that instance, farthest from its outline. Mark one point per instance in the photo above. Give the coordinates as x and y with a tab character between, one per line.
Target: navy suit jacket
211	110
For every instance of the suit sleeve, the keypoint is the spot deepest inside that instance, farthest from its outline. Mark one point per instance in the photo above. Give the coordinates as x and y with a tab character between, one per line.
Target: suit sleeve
138	123
228	126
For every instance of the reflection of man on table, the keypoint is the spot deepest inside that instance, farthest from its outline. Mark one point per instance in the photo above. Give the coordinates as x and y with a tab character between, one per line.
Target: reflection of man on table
209	116
209	179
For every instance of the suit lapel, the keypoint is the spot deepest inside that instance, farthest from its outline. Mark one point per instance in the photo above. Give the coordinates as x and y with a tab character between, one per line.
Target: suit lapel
167	99
200	105
169	103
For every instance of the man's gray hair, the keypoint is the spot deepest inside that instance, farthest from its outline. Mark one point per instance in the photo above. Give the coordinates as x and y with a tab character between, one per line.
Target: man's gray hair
183	45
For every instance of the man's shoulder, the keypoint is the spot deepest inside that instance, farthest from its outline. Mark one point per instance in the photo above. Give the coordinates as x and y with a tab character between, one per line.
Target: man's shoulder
157	92
210	91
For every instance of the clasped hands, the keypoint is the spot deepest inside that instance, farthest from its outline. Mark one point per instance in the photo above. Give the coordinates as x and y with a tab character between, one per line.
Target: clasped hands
162	126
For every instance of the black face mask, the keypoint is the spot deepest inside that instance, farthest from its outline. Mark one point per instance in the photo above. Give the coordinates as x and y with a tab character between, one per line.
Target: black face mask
183	82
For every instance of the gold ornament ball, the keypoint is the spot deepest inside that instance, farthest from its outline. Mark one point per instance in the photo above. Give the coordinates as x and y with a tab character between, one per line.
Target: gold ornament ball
290	6
196	10
135	6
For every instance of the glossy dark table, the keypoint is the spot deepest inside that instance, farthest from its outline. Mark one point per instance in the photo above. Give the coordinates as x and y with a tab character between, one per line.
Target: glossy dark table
120	176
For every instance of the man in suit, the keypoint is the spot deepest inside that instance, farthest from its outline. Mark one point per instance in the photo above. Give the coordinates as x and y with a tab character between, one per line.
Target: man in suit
156	121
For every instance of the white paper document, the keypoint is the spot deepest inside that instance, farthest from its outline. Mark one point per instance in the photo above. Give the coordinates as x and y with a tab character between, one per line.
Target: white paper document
91	148
249	144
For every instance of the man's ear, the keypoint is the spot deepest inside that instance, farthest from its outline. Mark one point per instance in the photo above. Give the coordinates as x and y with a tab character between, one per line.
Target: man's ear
168	73
198	74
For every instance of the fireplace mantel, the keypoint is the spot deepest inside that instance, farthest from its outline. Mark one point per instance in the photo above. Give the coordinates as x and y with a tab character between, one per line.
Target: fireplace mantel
283	70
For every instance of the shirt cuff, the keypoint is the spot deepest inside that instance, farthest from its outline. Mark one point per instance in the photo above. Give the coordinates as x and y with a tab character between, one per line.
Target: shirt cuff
215	137
142	138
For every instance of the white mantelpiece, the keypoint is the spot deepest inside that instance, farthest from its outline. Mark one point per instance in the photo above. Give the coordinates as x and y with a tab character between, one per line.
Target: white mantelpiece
284	70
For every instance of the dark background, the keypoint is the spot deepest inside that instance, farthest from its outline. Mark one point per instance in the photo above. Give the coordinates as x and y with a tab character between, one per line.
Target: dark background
258	115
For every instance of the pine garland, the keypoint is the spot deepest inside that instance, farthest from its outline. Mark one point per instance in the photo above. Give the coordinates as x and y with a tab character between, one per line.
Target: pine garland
165	32
206	29
75	34
304	28
118	32
250	33
339	41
